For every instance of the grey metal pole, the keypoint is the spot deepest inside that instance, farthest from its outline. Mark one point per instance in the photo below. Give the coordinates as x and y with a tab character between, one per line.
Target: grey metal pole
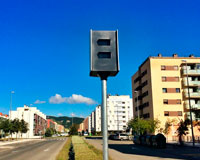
104	119
193	140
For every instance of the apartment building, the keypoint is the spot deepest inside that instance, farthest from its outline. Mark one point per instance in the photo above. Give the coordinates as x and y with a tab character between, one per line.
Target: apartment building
98	118
36	120
161	91
119	112
51	124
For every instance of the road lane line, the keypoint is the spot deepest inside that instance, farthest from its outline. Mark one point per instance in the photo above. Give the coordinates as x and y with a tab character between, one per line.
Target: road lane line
46	150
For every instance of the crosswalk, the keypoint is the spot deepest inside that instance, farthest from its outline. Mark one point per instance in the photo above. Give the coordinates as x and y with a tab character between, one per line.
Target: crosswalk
56	139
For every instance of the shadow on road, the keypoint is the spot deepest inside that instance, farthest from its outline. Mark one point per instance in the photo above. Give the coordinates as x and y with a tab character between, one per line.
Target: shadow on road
187	153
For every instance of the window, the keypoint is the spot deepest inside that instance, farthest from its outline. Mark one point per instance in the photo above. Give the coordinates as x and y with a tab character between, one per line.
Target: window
166	113
165	101
123	102
177	79
177	90
164	79
179	113
162	67
147	115
178	101
123	116
164	90
175	67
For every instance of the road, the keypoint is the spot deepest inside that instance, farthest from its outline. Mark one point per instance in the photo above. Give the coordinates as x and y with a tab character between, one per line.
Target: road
126	150
34	150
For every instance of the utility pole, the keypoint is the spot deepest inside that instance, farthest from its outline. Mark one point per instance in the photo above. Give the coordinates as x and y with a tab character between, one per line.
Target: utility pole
12	92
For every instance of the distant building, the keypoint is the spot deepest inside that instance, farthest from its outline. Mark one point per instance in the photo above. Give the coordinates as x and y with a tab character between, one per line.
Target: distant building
160	90
4	115
98	118
51	124
119	112
84	125
60	128
36	120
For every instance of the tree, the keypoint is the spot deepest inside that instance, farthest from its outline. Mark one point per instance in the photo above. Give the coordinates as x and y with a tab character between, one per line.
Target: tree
141	127
73	130
168	124
5	126
49	132
16	126
182	128
23	127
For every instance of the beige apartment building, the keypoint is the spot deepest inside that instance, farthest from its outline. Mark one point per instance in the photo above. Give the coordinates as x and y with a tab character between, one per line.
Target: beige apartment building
160	90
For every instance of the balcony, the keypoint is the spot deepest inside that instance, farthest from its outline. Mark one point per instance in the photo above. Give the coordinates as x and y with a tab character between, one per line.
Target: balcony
191	72
191	83
192	94
193	106
193	117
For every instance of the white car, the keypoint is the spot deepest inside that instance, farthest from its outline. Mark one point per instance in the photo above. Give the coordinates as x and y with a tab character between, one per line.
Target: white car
121	136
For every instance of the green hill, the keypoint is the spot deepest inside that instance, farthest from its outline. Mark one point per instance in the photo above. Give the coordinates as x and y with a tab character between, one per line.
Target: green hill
66	121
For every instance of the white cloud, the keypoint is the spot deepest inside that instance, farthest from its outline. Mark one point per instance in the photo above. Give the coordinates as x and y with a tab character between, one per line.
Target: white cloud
74	99
60	114
39	102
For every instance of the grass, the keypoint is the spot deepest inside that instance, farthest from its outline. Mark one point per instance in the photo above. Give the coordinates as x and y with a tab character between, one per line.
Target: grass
63	154
85	151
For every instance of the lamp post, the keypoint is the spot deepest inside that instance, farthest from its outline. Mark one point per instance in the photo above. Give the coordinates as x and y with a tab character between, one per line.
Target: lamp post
193	140
12	92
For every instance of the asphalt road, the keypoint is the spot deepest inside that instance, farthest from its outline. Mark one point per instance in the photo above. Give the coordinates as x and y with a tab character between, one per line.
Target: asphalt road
33	150
126	150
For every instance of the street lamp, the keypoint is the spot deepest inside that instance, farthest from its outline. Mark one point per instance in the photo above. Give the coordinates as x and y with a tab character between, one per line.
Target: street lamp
72	114
193	140
12	92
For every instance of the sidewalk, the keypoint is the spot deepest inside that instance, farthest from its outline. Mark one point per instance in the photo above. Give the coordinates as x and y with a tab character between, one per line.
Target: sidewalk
18	141
187	144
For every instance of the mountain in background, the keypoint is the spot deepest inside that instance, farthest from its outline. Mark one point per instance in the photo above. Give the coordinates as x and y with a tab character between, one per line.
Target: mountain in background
66	121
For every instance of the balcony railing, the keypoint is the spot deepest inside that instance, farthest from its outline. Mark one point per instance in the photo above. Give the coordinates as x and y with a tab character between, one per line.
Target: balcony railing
191	83
192	94
191	72
193	117
193	106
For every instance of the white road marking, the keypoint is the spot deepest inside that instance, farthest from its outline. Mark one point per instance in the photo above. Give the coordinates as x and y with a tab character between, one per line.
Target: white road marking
46	150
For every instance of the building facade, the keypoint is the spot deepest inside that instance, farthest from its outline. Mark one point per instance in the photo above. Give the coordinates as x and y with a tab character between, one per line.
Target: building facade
36	120
119	112
160	89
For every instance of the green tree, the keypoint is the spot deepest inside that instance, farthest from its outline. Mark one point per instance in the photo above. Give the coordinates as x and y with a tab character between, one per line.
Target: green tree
142	127
73	130
23	127
182	128
16	126
5	126
49	132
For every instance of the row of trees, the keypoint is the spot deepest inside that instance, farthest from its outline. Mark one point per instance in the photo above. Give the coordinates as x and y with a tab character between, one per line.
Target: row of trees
9	127
143	127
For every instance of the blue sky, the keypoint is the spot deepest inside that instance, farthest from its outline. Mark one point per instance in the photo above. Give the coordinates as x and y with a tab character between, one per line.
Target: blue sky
44	47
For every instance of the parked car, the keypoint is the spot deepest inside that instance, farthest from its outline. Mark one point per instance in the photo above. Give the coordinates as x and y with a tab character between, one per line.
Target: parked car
121	136
111	136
